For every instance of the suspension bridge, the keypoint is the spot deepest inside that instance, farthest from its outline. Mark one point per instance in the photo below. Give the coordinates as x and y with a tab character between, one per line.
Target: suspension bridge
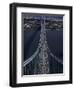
42	52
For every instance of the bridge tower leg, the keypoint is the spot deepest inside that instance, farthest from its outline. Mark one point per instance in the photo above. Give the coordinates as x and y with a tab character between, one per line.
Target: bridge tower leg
43	50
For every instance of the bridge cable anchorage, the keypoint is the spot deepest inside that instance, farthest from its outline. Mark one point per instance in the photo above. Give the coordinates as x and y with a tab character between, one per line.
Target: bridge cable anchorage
56	58
31	58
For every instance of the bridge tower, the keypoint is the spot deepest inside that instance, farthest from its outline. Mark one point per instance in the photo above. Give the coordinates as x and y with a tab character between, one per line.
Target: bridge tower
43	50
